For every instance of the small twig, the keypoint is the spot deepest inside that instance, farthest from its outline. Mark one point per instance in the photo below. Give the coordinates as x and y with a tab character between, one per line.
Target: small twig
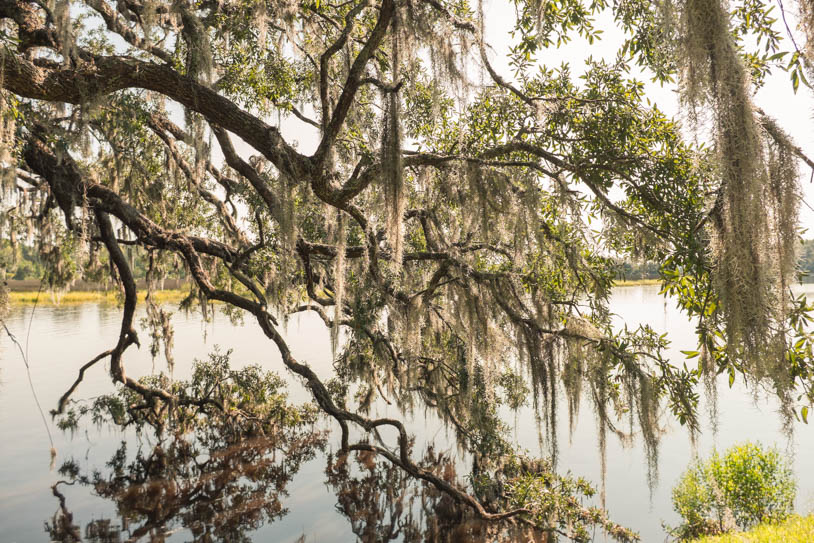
31	320
64	398
788	29
31	384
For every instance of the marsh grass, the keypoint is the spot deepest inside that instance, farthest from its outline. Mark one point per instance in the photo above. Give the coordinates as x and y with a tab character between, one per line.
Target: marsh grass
795	530
79	297
636	282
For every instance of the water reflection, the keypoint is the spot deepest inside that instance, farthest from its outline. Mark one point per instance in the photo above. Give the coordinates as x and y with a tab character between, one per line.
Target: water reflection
382	503
214	461
65	337
215	491
178	486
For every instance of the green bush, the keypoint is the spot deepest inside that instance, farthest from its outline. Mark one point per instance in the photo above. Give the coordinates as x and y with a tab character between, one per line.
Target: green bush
745	486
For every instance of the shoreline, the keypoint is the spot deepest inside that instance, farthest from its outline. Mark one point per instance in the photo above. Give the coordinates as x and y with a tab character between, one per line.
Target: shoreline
636	282
29	291
167	295
45	297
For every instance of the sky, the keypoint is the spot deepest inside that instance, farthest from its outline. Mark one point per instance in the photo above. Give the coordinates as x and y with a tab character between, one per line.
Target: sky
793	111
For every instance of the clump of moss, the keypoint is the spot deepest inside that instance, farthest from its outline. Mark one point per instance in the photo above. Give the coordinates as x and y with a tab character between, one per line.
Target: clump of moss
753	230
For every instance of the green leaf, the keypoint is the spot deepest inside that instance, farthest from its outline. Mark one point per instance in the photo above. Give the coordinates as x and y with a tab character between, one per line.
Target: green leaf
804	413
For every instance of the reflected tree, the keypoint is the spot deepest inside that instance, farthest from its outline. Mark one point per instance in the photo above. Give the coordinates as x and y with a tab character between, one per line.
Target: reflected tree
215	494
383	503
215	473
236	490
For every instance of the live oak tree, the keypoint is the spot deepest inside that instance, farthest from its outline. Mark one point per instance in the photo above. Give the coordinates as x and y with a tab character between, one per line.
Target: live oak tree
444	226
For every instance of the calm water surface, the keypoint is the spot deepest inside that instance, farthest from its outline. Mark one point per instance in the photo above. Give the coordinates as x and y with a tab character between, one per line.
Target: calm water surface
64	338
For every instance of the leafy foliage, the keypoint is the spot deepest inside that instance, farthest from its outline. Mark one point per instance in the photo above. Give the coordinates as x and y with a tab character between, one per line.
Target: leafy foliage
745	486
216	399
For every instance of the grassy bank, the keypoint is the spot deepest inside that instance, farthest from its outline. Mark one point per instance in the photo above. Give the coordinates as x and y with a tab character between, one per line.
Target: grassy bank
635	282
795	530
163	296
79	297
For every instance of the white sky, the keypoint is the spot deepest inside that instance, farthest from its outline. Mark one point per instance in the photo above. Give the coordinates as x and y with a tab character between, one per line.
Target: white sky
794	112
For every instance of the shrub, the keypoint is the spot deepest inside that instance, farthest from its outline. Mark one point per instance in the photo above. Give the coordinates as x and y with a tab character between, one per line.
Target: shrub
745	486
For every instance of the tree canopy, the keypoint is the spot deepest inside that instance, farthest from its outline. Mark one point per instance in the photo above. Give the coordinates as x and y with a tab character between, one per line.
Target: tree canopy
444	226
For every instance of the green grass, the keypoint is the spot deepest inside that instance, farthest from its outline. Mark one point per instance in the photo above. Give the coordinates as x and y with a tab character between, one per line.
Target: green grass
795	530
80	297
635	282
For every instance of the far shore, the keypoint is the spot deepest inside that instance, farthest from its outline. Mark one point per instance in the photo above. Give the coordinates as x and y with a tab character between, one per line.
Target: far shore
30	292
33	285
46	297
635	282
175	290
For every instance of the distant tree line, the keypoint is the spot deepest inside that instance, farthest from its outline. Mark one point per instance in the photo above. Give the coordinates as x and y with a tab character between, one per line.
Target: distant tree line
26	262
633	271
23	262
20	261
805	262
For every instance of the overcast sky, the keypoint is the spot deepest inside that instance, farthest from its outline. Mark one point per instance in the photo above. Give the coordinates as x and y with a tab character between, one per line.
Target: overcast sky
794	112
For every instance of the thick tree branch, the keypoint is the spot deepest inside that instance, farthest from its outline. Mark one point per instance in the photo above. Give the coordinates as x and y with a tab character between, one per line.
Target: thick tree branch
107	74
343	105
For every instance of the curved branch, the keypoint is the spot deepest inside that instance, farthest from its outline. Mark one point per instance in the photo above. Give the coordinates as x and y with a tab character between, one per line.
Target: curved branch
103	75
350	21
63	400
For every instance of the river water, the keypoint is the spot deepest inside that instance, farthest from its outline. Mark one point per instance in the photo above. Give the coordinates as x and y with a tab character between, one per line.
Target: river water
61	339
